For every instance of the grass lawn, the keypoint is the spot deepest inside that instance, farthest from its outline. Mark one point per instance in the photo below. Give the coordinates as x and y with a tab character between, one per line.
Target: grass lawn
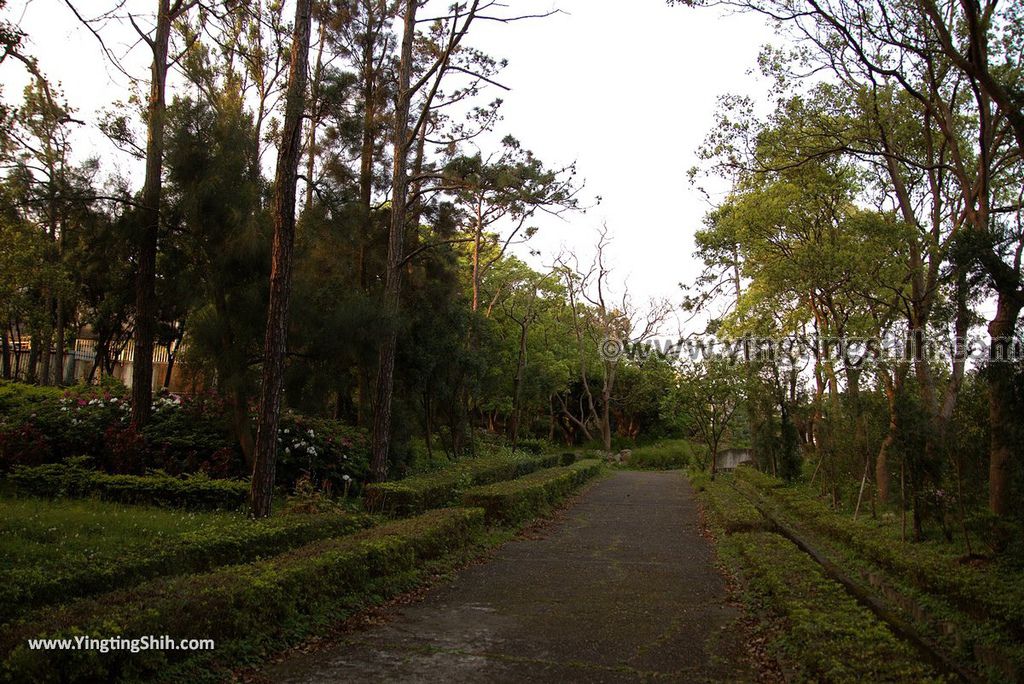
52	536
55	550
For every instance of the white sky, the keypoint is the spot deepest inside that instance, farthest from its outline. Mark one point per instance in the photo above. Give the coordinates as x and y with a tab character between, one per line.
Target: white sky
626	89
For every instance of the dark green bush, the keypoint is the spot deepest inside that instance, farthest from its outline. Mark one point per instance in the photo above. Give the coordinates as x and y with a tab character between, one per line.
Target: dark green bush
534	494
533	446
252	602
188	553
433	490
159	489
668	455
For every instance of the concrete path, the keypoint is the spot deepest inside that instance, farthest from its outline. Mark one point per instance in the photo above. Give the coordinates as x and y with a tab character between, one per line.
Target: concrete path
621	589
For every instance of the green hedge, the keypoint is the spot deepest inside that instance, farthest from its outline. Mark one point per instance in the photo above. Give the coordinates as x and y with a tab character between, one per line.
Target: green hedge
69	480
190	552
517	500
252	603
441	488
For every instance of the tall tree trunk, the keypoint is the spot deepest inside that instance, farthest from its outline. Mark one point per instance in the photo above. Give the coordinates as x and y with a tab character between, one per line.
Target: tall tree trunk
396	242
173	346
61	334
369	85
314	119
1001	415
5	356
45	349
33	356
149	214
275	345
891	386
517	392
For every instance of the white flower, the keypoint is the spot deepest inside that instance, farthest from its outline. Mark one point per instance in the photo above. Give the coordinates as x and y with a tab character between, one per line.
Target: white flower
310	433
287	431
346	478
287	450
113	400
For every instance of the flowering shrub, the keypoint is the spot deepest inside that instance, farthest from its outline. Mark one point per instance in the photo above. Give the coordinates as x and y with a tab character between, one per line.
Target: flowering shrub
328	453
23	445
190	434
185	435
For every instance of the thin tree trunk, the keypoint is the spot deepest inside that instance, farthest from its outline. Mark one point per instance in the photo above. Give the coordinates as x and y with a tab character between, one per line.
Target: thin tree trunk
275	345
396	242
149	214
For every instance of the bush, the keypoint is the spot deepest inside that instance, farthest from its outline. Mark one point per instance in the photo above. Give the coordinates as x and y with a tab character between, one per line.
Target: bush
253	603
533	446
159	489
531	495
433	490
185	434
193	550
324	451
668	455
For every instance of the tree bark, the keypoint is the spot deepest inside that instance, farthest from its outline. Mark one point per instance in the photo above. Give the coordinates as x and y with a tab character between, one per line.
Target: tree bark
275	345
369	87
1001	416
149	214
5	356
396	242
517	392
61	334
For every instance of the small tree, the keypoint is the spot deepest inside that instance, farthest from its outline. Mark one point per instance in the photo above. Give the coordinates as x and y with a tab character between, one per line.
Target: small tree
706	399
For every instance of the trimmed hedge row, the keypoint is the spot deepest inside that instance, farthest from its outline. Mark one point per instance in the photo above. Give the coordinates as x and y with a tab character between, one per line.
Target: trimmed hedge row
517	500
252	603
188	553
444	487
196	492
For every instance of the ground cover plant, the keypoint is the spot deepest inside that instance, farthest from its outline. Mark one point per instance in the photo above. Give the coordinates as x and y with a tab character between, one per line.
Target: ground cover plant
800	604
